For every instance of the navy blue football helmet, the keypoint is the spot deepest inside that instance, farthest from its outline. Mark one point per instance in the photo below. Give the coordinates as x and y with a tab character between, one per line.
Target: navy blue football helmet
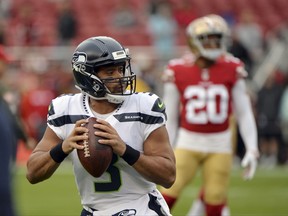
96	52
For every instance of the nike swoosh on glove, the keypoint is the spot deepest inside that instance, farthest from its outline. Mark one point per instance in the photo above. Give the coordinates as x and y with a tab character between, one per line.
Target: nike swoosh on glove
249	162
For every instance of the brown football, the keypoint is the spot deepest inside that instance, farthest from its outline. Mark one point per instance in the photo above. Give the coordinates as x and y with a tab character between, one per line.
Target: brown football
95	157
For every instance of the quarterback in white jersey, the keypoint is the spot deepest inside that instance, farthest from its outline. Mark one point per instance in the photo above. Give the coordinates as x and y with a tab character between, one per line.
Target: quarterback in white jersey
133	125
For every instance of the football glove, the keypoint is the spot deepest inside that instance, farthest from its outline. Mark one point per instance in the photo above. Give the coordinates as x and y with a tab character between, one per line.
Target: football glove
249	163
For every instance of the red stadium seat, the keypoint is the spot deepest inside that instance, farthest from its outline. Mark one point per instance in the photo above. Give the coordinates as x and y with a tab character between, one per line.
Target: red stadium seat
94	16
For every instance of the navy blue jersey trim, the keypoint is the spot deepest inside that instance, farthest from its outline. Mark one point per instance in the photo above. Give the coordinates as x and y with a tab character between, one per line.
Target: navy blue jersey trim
155	206
66	119
144	118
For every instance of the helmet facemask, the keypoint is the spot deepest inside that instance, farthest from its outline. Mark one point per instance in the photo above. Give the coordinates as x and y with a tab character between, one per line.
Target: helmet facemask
215	41
208	36
125	85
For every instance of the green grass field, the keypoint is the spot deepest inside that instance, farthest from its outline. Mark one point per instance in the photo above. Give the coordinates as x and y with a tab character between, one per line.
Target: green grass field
265	195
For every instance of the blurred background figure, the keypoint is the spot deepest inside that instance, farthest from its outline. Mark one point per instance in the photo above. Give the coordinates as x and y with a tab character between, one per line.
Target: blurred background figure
8	144
163	29
34	104
38	85
268	122
283	117
237	49
144	71
250	34
67	23
240	51
2	31
10	100
5	6
124	16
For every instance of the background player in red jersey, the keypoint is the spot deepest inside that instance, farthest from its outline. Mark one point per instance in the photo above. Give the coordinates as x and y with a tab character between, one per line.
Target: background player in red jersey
209	86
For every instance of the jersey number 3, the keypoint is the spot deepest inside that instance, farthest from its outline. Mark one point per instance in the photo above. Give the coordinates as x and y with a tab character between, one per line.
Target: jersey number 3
115	178
206	105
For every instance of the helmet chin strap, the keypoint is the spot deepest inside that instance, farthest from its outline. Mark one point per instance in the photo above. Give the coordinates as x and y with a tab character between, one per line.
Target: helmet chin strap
115	99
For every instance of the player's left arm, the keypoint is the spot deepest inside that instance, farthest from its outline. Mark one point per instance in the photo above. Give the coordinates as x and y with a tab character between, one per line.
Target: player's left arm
247	127
157	163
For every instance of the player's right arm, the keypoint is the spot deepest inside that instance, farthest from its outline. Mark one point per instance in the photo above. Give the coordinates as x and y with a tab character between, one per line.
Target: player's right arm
171	98
40	165
247	128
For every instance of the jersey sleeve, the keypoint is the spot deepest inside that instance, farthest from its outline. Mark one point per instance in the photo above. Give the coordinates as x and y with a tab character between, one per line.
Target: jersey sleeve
153	113
240	71
56	113
168	75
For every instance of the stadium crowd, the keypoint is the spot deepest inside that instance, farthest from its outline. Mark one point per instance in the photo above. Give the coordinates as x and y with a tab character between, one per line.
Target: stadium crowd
40	37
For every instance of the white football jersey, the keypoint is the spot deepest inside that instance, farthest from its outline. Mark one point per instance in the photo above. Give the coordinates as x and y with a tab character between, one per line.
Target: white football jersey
139	115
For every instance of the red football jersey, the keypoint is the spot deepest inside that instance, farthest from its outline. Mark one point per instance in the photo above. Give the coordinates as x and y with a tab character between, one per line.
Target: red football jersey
205	94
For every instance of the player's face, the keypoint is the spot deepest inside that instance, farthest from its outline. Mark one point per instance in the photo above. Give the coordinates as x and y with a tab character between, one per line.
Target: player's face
111	76
211	41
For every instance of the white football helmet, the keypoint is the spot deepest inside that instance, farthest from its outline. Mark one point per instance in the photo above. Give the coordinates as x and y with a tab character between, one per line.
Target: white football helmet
210	29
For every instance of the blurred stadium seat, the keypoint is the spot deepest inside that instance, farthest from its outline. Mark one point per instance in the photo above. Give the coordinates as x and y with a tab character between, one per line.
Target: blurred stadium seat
93	17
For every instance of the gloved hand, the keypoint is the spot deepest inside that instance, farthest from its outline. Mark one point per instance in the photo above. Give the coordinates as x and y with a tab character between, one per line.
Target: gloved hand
249	162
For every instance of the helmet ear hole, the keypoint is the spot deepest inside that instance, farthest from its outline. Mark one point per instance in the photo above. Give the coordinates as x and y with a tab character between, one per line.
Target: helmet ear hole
99	88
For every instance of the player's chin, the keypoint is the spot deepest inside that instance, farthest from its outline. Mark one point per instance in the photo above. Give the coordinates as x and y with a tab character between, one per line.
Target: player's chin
118	91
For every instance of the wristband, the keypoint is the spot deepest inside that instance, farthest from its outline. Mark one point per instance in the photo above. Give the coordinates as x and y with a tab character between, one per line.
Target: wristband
57	153
130	155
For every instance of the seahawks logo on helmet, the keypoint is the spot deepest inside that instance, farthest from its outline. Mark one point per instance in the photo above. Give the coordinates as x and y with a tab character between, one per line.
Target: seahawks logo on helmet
78	61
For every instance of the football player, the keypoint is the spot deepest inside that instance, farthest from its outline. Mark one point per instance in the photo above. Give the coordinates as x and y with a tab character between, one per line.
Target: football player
209	86
8	145
133	124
